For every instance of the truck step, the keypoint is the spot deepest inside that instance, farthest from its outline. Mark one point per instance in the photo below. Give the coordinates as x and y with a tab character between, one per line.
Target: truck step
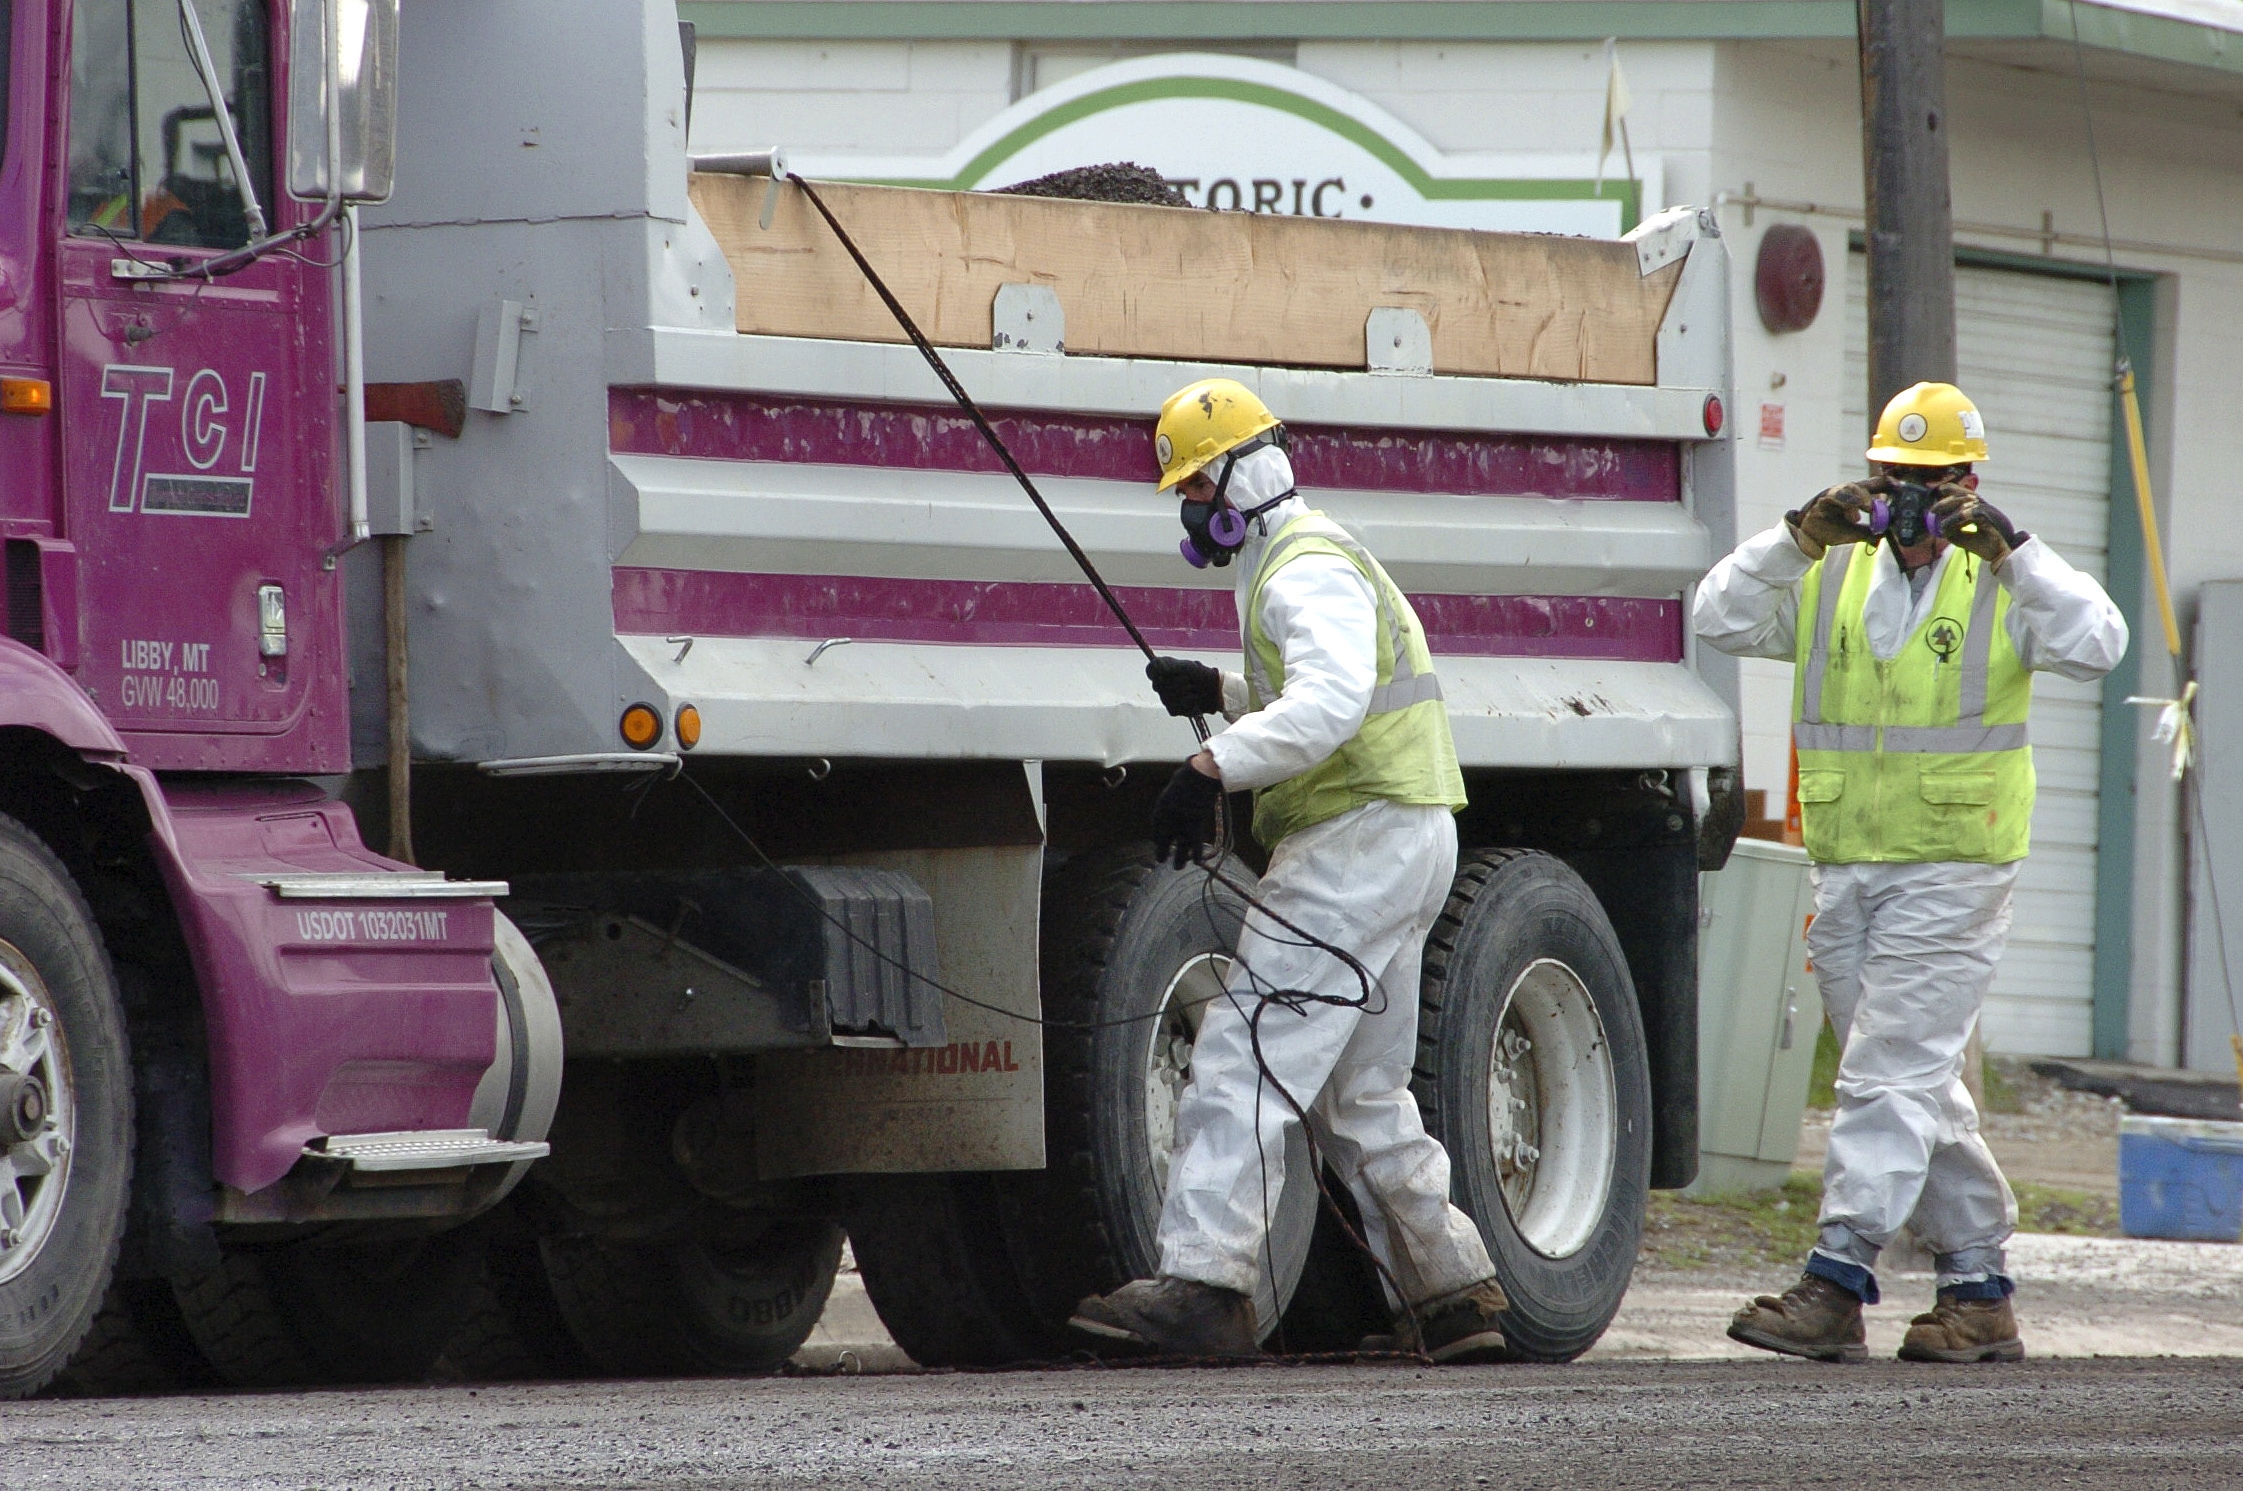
426	1149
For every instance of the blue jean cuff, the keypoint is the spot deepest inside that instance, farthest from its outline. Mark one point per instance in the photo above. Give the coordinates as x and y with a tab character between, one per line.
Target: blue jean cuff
1999	1286
1851	1277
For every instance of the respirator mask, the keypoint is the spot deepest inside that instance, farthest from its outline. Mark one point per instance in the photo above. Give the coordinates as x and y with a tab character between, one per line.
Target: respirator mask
1902	511
1215	531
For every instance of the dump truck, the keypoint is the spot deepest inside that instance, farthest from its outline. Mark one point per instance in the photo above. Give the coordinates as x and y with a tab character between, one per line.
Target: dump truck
405	442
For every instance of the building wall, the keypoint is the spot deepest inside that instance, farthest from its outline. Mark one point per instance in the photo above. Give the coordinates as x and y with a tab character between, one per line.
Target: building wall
1783	117
880	97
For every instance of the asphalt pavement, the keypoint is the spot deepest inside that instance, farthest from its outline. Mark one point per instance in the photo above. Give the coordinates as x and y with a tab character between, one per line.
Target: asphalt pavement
2114	1425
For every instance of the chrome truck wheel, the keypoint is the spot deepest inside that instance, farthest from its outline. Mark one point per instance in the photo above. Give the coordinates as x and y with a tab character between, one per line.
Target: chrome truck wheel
1553	1114
1532	1072
38	1115
65	1115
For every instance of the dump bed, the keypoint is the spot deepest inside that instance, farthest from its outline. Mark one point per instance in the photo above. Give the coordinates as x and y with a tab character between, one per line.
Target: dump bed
703	450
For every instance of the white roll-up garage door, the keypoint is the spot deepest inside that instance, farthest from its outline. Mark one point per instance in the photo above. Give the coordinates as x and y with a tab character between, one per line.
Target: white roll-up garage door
2035	352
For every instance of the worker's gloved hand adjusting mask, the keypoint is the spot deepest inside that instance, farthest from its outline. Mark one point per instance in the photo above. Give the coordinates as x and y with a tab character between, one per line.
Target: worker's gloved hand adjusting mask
1214	531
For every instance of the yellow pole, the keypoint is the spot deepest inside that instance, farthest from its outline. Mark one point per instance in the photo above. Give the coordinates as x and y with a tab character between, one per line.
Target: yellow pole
2154	550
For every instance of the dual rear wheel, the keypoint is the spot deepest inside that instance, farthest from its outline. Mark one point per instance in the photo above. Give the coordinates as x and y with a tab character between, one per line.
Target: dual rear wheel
1531	1071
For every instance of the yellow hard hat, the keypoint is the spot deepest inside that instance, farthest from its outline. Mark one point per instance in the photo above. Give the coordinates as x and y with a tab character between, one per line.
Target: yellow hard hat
1202	420
1931	424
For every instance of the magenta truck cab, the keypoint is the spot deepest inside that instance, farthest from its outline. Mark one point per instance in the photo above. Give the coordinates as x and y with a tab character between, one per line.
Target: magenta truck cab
479	625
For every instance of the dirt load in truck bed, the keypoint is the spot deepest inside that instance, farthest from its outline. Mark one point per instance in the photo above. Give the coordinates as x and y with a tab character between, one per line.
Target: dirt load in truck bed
1194	286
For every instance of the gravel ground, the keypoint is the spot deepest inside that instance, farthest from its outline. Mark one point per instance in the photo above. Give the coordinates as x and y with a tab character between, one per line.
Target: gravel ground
2115	1425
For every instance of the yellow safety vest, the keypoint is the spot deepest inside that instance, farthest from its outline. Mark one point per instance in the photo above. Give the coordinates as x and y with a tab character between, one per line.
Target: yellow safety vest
1923	756
1403	752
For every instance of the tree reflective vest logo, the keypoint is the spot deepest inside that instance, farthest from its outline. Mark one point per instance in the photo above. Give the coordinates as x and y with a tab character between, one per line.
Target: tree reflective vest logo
1945	637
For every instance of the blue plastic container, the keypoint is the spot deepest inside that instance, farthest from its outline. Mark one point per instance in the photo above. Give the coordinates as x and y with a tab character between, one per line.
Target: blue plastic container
2180	1178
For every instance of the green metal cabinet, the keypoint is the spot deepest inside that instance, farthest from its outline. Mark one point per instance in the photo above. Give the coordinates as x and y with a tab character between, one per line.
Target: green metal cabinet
1758	1015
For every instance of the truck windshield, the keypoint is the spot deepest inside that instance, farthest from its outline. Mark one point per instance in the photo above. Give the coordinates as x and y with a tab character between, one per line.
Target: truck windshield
147	159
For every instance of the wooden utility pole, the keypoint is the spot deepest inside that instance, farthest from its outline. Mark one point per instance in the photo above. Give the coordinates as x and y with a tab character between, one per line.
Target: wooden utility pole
1910	227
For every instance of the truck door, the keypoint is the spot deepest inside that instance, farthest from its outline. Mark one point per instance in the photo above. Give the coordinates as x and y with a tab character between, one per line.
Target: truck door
198	450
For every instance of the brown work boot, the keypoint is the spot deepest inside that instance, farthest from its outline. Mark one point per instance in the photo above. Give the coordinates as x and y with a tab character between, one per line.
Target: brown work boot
1964	1330
1460	1330
1814	1318
1172	1317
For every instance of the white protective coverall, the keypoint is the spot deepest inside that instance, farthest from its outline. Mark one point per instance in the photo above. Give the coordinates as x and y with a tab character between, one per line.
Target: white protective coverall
1904	953
1372	881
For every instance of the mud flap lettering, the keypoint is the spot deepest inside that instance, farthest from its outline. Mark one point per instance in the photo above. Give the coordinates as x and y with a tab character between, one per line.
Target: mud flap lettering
957	1058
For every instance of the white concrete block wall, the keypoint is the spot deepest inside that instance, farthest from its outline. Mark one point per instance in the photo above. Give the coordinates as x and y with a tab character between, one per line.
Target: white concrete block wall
880	97
1536	97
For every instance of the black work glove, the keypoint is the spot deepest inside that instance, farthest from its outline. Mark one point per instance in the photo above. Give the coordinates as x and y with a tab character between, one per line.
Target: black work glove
1839	515
1184	817
1969	522
1185	687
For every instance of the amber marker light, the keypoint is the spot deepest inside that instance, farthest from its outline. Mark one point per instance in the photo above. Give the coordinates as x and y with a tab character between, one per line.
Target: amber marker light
688	726
642	727
26	396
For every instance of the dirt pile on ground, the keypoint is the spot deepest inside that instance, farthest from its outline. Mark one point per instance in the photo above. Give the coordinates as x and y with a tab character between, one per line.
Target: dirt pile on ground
1119	181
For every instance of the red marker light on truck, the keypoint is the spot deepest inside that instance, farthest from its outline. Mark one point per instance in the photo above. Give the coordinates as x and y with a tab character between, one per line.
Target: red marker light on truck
642	727
26	396
1715	414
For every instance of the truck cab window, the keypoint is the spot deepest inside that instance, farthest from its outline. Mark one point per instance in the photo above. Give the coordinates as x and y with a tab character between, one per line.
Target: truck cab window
147	160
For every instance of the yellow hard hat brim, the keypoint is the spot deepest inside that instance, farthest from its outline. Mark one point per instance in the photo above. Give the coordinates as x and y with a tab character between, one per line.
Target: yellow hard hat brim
1902	455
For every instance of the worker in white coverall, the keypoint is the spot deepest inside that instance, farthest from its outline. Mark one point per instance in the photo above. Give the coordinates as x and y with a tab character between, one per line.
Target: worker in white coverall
1337	727
1914	613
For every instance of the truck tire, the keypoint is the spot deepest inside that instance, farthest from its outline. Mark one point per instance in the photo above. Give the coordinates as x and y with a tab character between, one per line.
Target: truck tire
138	1345
1532	1072
704	1304
514	1330
938	1268
302	1316
66	1121
1127	939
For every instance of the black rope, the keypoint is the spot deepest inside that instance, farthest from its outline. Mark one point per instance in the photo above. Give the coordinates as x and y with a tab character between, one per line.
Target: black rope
981	422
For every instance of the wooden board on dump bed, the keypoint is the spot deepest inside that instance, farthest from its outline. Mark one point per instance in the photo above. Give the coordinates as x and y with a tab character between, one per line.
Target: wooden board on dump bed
1190	285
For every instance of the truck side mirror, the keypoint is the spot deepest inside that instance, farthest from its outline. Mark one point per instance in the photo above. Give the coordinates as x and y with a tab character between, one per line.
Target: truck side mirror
353	45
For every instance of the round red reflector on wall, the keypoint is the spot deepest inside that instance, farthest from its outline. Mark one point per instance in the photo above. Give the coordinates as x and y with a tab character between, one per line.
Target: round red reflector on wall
1787	277
1715	414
